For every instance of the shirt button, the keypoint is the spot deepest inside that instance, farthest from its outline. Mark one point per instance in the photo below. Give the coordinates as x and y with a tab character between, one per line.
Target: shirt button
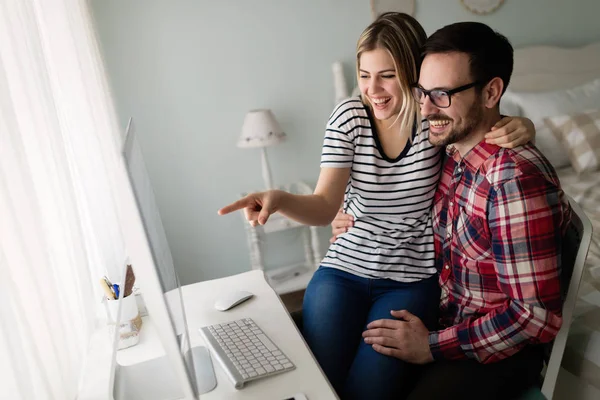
449	234
446	266
459	170
451	204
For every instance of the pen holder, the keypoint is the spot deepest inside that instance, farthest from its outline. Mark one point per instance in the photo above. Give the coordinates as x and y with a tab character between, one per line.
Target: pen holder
131	321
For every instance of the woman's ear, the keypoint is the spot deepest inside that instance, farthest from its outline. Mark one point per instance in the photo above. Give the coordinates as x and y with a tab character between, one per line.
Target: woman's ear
492	92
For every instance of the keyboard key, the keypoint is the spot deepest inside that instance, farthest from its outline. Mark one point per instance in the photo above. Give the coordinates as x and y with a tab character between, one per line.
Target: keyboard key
266	342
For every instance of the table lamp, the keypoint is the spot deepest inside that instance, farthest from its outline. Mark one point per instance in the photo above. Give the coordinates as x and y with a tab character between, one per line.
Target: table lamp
261	129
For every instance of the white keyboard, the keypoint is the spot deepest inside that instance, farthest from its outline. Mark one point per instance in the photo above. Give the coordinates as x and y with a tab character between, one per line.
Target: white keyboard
244	351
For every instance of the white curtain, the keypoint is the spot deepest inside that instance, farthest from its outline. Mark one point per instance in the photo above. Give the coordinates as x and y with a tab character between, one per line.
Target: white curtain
59	230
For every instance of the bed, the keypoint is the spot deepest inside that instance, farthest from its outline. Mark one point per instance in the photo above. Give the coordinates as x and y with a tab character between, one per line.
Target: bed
559	90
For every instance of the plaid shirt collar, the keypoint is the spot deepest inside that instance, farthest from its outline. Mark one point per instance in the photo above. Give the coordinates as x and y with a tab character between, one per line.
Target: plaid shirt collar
475	157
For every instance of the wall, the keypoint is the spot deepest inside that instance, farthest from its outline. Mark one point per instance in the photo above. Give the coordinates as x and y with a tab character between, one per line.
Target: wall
524	22
188	70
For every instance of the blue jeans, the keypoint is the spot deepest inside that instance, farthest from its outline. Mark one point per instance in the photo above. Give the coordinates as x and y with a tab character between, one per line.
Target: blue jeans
338	306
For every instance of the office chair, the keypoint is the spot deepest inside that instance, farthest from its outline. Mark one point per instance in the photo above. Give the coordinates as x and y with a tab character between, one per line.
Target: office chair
575	246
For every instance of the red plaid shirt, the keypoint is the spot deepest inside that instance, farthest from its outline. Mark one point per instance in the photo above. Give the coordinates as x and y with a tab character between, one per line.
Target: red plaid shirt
499	217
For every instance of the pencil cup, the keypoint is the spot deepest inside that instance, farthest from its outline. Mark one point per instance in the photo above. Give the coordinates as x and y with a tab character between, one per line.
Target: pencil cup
131	321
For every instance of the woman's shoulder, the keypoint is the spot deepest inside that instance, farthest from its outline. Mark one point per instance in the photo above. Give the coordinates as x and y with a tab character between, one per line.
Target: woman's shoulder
352	106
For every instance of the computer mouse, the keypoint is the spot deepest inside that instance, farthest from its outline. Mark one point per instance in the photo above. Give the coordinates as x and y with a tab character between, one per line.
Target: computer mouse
232	299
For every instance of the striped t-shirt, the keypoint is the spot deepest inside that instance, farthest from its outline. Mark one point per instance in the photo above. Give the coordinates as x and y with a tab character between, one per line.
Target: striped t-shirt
390	199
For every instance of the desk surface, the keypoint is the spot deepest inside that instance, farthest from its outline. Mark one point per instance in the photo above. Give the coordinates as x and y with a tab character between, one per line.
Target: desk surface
267	310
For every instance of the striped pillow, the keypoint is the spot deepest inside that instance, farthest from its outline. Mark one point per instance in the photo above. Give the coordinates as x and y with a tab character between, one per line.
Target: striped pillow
580	135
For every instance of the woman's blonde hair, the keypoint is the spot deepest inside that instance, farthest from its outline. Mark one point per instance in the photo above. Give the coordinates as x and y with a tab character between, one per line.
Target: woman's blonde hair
402	37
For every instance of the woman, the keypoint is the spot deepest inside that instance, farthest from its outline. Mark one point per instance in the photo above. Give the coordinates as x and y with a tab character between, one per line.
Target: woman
378	161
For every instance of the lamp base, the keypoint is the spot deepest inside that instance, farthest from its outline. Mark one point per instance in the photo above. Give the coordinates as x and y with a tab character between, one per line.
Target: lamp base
266	170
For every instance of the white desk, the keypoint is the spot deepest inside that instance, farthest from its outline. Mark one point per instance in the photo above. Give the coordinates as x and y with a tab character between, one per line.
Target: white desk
266	309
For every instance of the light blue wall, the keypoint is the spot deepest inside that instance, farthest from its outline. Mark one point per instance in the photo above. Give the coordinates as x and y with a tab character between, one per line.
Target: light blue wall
188	70
524	22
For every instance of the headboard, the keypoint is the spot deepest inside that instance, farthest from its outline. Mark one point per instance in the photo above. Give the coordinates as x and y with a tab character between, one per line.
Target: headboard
542	68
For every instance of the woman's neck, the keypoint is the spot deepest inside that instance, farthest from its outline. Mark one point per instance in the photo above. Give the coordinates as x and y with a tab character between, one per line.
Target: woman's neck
388	126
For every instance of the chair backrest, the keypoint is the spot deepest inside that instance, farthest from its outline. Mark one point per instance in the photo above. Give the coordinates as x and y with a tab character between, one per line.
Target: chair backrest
575	246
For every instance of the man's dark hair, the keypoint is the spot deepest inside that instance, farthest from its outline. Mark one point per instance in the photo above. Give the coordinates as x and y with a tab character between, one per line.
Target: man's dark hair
490	53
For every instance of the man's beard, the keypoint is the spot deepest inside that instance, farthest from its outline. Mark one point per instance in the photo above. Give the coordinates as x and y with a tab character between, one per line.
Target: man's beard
472	120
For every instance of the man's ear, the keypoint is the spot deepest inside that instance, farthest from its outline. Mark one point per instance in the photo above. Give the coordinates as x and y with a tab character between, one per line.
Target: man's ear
492	92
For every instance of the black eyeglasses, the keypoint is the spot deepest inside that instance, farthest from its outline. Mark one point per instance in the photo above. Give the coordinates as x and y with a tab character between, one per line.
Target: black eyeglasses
440	98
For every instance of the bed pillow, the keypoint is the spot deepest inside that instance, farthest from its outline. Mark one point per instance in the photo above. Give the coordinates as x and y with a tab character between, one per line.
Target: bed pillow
508	106
579	134
545	140
551	147
539	105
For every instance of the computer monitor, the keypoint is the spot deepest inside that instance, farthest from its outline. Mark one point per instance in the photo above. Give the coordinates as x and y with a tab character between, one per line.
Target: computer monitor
184	372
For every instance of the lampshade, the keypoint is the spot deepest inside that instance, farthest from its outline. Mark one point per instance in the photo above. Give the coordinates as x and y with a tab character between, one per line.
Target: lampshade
260	129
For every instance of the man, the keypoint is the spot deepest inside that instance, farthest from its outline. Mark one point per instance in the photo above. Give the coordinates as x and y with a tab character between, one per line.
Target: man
499	216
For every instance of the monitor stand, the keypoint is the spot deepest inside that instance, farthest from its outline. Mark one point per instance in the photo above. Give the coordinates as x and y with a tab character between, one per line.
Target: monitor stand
155	380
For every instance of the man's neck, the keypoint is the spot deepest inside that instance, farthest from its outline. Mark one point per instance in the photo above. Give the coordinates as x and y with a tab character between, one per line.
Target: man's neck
478	134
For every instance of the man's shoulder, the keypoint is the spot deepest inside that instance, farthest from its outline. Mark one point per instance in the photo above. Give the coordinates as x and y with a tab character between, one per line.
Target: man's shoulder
518	163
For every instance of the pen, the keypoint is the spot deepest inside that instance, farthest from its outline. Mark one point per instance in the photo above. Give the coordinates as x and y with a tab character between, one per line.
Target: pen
116	289
107	291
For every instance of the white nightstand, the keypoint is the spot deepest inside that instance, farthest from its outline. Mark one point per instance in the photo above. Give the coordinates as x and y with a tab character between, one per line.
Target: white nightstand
293	277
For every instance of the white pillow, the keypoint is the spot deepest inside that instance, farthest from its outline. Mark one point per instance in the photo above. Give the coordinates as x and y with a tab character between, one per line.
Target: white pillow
547	142
509	108
539	105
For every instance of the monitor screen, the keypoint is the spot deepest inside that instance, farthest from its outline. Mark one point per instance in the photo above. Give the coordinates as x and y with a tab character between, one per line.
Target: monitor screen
159	248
